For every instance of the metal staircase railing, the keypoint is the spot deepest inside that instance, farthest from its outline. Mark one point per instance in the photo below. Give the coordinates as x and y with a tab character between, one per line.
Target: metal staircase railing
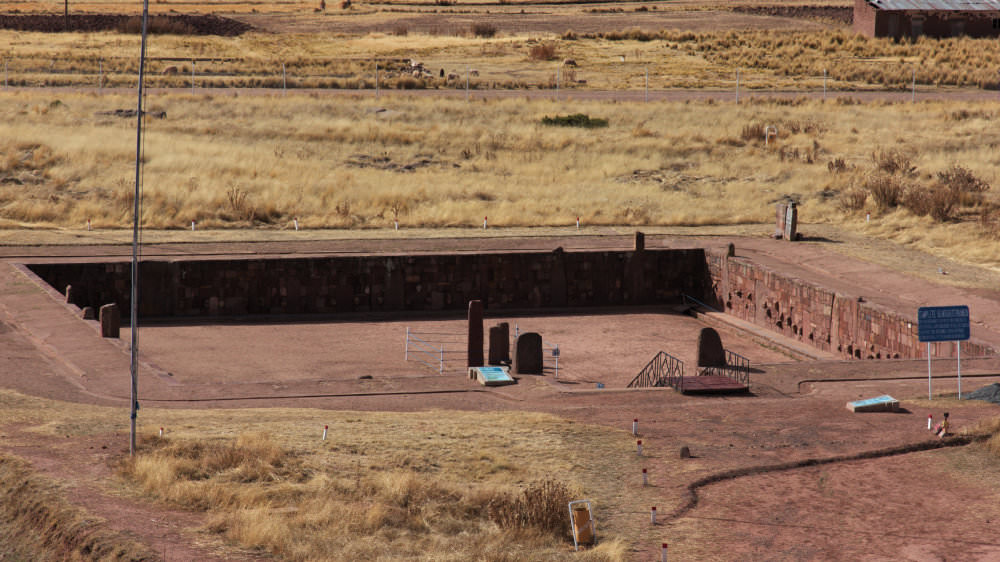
737	368
663	370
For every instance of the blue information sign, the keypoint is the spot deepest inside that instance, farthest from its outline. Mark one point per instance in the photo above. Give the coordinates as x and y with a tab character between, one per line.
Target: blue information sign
943	323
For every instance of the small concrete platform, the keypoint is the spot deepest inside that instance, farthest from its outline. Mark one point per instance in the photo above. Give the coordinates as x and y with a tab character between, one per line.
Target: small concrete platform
711	384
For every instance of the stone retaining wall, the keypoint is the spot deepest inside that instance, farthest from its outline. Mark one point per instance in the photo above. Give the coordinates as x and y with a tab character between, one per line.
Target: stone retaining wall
843	324
397	283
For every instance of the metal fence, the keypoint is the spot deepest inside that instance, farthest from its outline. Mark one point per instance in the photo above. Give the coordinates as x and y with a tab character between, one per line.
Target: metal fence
434	349
663	370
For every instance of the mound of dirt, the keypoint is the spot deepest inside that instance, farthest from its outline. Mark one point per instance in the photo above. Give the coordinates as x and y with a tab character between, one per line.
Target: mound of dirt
177	24
835	13
989	393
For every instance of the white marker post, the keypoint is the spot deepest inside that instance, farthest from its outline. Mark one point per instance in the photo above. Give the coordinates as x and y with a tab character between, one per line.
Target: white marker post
638	447
652	515
396	223
192	226
578	223
635	427
484	222
930	421
161	432
663	553
296	222
645	478
325	428
88	225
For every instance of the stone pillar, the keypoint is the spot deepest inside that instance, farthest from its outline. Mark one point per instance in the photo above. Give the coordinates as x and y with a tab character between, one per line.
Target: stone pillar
779	226
710	350
111	321
791	222
475	334
500	344
528	354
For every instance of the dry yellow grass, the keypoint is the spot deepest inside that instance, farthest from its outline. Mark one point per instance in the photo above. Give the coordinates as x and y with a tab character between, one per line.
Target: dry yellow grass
383	485
360	162
607	60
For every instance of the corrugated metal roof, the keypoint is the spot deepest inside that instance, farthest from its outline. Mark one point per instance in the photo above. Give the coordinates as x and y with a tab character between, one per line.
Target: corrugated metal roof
938	5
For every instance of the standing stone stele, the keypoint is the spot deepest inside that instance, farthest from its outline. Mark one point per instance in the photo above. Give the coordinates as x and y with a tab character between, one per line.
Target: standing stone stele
528	354
500	344
791	222
710	350
111	321
475	339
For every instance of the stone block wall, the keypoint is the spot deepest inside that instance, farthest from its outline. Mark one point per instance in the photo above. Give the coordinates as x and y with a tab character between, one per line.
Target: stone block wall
814	315
842	324
393	283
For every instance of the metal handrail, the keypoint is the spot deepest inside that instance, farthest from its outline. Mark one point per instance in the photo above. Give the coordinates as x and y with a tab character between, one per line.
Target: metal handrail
737	368
662	370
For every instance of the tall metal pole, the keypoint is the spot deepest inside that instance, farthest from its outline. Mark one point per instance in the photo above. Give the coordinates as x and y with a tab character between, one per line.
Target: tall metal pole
134	293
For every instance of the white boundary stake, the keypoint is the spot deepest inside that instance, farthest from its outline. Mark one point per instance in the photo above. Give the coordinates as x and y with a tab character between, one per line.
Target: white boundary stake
663	553
325	428
484	222
638	447
296	221
590	522
635	427
192	226
161	432
645	478
930	421
652	515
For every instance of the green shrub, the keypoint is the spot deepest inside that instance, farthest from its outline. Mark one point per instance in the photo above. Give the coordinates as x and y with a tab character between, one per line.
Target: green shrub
575	120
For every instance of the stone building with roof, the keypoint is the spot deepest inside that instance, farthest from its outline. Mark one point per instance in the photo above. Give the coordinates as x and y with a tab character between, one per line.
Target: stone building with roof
910	19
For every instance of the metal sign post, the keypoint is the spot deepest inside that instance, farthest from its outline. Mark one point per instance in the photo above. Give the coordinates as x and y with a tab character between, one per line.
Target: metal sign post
943	323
